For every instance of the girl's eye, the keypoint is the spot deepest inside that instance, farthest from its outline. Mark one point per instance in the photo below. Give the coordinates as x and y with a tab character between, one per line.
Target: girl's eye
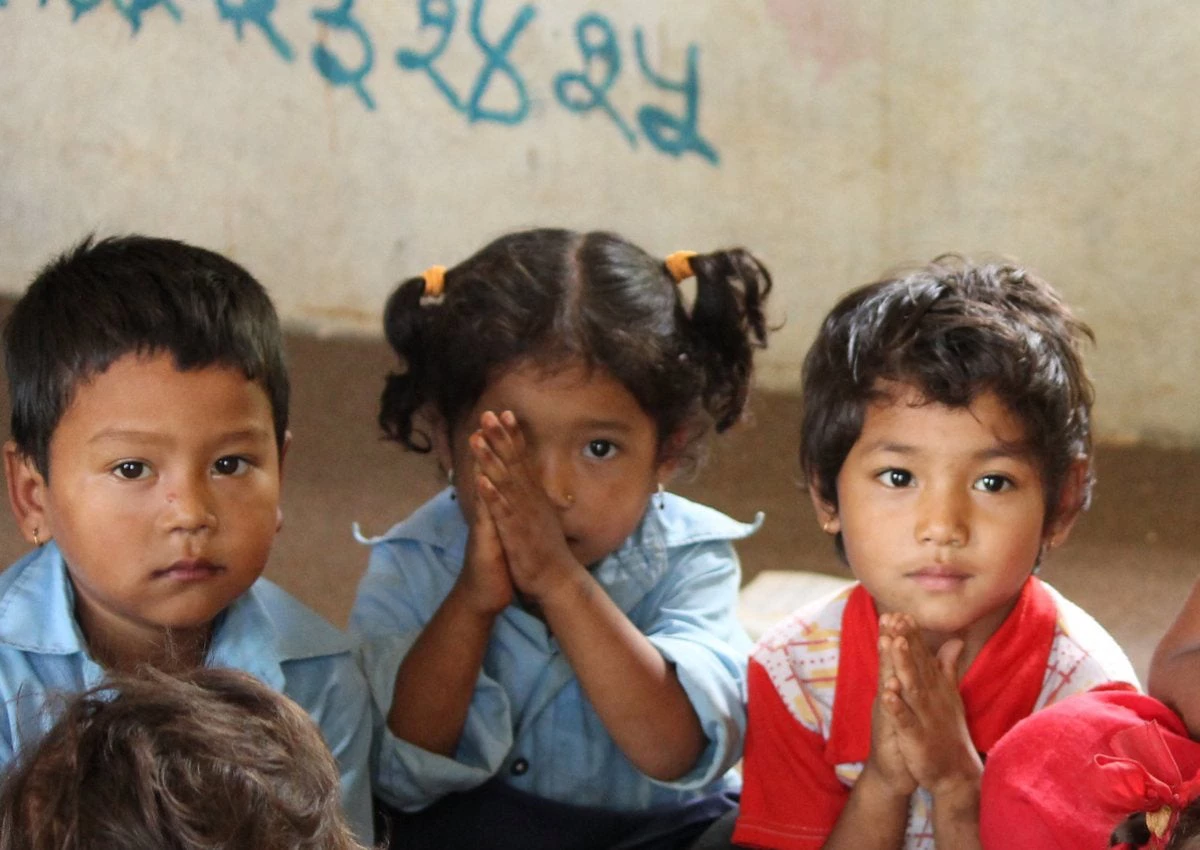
131	470
600	449
895	478
993	484
231	465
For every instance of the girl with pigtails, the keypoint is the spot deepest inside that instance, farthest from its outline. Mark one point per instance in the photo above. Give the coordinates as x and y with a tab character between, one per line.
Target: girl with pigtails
552	640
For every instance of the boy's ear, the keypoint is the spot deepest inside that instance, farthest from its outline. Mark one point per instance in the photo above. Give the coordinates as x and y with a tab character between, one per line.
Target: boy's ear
827	515
1071	500
26	494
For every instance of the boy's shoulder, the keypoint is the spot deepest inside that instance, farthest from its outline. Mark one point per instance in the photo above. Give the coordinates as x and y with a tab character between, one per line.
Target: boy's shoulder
801	655
36	605
1083	654
815	628
267	619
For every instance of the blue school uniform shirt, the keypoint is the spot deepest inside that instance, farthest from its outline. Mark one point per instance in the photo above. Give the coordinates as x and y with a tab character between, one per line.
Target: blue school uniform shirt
530	724
44	659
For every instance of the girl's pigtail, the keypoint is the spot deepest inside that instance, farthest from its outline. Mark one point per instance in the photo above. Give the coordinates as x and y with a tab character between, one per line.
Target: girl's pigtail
726	324
406	326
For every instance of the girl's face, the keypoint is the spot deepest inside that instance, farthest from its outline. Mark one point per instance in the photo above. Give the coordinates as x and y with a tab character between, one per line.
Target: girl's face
942	511
590	444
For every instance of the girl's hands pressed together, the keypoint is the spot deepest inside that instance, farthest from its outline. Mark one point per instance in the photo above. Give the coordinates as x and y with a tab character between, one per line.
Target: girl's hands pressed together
526	521
485	579
927	709
887	759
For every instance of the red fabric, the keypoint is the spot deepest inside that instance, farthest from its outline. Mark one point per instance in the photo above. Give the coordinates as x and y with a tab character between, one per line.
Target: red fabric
1050	783
792	798
1000	688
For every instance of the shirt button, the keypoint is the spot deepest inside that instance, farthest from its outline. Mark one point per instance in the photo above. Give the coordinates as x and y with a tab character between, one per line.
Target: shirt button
519	767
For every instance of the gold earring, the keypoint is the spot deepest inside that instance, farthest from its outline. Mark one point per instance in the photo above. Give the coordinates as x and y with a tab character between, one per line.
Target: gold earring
828	527
37	541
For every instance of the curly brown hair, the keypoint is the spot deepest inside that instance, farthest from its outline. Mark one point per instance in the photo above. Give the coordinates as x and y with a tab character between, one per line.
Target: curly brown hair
208	759
952	330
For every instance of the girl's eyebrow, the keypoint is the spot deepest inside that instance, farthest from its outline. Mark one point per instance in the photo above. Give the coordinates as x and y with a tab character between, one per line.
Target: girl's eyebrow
892	447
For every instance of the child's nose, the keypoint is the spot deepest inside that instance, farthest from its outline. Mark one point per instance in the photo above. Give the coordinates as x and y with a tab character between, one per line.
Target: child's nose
944	518
557	480
190	505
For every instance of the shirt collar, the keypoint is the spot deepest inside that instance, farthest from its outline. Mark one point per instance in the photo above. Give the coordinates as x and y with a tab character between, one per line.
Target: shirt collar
37	610
266	626
259	629
1001	687
627	574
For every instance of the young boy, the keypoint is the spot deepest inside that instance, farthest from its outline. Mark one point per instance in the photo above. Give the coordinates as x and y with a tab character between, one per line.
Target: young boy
946	444
149	426
211	758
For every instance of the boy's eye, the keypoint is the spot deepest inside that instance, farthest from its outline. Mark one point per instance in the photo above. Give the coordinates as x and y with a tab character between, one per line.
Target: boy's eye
993	483
231	465
131	470
895	478
600	449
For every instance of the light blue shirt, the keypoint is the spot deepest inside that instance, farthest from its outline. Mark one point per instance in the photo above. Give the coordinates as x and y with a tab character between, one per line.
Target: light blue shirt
44	660
529	723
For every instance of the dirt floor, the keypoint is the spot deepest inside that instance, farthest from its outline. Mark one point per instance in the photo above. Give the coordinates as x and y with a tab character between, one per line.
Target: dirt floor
1130	562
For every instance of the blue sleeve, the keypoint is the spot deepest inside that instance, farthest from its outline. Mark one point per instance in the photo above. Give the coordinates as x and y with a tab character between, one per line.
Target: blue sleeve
696	628
396	598
334	693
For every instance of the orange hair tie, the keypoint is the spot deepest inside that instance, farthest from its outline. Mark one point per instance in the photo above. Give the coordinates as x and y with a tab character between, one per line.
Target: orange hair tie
435	281
679	265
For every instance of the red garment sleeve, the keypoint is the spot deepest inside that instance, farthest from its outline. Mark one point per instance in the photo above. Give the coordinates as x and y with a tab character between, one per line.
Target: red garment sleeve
791	798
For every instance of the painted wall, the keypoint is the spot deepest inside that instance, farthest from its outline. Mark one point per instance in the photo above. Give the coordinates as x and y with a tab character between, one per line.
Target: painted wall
336	146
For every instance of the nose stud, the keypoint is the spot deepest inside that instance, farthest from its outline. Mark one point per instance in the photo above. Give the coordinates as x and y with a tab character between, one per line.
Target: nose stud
569	498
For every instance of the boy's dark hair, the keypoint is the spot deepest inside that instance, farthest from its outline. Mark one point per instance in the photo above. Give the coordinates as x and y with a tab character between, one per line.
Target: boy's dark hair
952	330
134	295
551	296
212	758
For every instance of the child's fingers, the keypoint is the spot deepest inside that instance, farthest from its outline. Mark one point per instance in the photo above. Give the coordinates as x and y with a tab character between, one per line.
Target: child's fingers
503	435
906	670
948	655
887	669
487	462
903	718
509	420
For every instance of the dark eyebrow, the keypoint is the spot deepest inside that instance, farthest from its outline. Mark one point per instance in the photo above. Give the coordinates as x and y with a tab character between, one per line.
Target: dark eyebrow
134	435
1019	451
607	425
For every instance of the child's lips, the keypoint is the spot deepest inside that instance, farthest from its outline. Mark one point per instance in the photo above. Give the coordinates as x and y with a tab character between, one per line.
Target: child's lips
190	569
939	578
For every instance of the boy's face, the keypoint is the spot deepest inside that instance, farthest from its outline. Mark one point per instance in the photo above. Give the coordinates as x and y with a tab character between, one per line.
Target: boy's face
163	496
942	512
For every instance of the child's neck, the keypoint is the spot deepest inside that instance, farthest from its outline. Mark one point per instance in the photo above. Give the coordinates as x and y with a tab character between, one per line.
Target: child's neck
974	637
126	649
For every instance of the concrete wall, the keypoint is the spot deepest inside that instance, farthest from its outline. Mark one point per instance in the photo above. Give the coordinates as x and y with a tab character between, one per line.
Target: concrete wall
336	146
